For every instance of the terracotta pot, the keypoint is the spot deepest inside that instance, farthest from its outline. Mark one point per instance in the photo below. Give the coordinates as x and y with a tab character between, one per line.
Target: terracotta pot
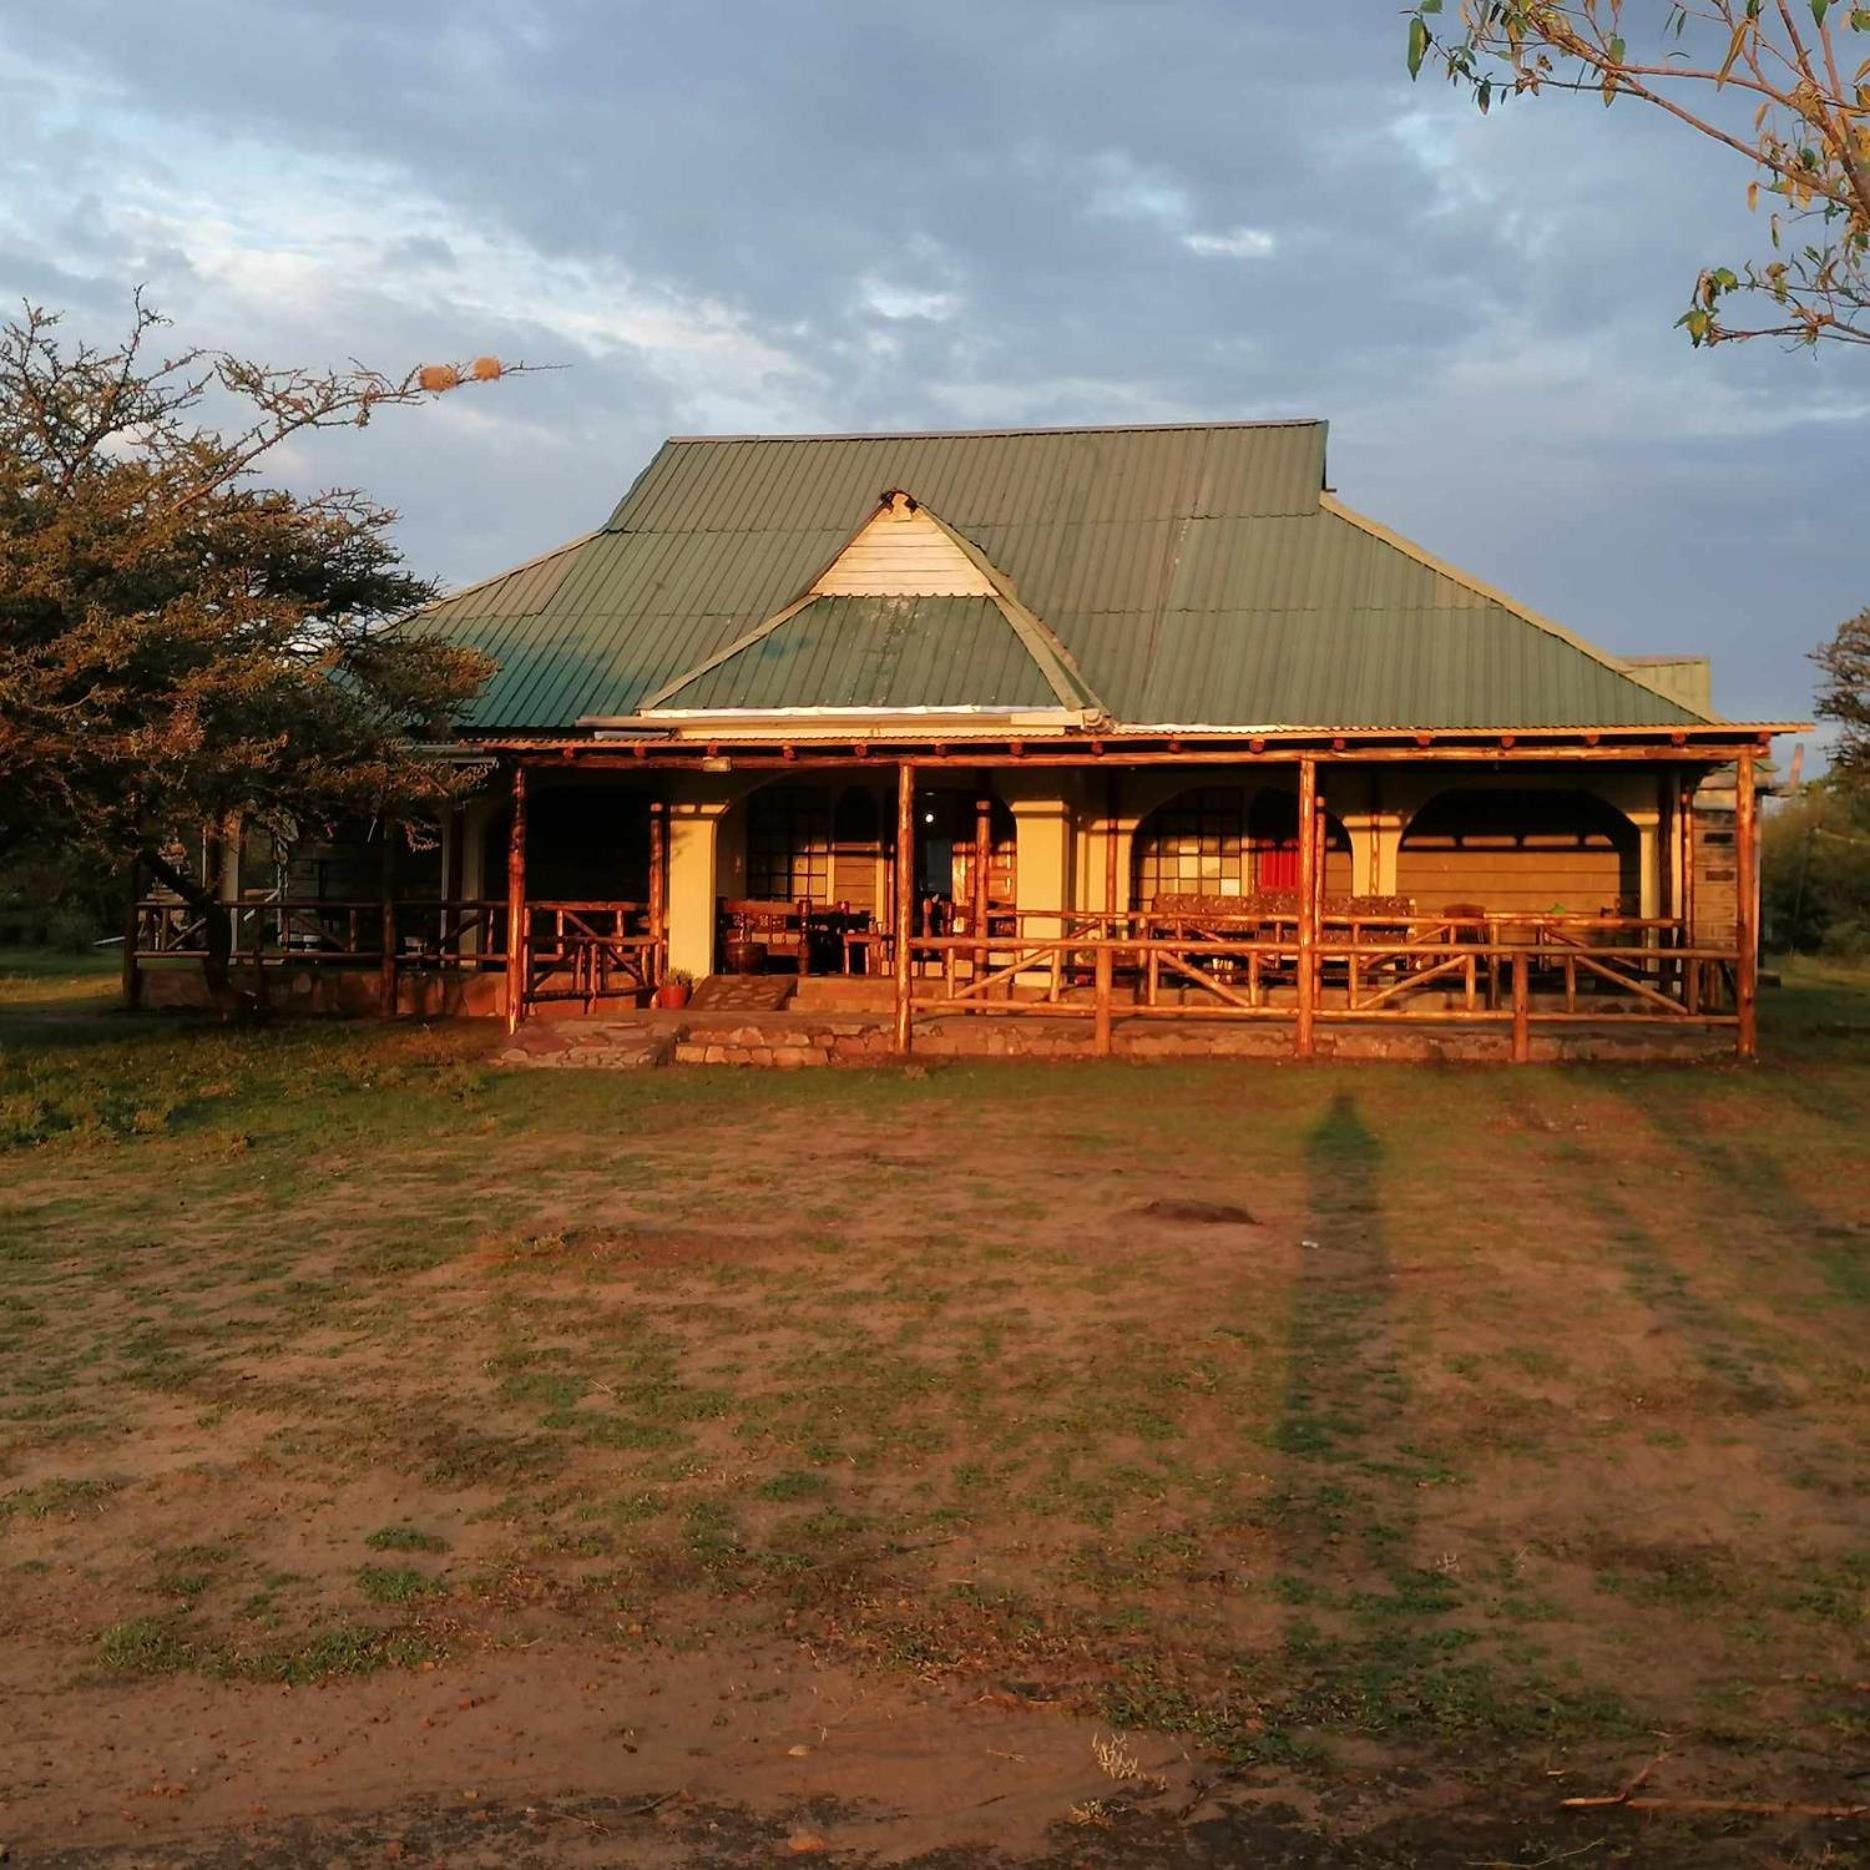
672	996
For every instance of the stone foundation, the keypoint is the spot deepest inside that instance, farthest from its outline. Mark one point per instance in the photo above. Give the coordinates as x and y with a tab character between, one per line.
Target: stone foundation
298	987
790	1041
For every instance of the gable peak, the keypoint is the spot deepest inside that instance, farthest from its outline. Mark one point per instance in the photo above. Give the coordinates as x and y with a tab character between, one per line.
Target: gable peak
901	551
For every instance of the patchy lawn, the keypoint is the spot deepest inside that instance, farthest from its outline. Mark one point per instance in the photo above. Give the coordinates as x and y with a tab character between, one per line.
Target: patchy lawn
1392	1441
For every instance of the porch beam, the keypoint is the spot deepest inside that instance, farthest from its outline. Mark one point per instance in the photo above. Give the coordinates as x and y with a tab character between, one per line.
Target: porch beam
516	904
690	756
905	900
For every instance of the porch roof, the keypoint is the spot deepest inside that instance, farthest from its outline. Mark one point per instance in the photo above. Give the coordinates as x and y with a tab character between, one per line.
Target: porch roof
1189	577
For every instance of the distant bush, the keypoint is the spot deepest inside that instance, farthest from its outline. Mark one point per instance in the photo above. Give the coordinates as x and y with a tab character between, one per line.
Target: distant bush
1815	870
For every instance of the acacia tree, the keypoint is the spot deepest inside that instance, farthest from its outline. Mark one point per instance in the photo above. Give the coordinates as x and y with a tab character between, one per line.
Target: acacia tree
1845	696
180	645
1782	83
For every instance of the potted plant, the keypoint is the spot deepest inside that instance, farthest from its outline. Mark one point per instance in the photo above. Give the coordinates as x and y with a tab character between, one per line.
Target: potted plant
676	986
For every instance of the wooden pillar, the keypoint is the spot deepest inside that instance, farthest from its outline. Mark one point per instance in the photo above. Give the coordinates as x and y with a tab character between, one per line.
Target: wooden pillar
1308	906
1522	1008
1746	911
516	904
1113	812
1691	975
658	891
132	929
983	867
386	961
1691	785
905	900
1100	1042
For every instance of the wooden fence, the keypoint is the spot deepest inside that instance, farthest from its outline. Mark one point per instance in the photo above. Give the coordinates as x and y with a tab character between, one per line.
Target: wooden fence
1519	972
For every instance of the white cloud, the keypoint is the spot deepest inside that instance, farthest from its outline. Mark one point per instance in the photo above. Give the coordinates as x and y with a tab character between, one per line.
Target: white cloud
889	300
1239	243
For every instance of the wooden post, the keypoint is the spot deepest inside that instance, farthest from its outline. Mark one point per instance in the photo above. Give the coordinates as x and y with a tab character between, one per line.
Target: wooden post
1308	906
1113	812
386	961
516	905
1522	1008
1101	975
1691	785
905	899
132	928
658	891
1746	911
983	867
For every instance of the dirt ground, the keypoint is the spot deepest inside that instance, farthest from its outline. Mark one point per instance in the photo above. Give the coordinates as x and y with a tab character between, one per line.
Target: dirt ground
406	1460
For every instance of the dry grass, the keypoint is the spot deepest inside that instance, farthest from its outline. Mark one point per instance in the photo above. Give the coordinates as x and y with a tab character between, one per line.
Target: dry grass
1527	1417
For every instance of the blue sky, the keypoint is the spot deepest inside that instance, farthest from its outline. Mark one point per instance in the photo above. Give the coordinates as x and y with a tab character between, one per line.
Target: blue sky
807	214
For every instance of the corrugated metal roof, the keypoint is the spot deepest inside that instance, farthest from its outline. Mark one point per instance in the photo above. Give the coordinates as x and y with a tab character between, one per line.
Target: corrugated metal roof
878	652
1195	575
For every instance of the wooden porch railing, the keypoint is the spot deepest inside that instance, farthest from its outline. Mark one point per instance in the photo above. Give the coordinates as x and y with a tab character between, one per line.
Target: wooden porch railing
277	930
571	950
1517	971
590	951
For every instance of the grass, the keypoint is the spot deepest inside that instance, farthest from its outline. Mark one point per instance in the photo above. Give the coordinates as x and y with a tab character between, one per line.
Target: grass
1526	1416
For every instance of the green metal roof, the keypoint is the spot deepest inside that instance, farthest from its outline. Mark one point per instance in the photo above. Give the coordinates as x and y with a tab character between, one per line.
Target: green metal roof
1195	576
877	652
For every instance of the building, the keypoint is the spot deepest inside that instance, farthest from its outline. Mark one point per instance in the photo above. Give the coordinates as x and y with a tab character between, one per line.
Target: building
1167	731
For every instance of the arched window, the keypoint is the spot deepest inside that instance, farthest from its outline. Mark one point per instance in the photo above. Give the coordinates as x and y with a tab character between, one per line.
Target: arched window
789	844
1211	842
1520	851
1195	845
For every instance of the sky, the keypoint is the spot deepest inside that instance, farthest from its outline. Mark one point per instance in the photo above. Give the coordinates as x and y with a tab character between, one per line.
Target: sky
817	215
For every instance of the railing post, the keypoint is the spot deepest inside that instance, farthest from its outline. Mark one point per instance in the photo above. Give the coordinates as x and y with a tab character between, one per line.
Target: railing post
905	900
1522	1009
516	905
386	962
1308	906
1746	911
1100	1036
1691	978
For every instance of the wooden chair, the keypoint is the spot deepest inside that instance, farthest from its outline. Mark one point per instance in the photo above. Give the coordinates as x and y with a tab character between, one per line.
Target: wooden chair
779	927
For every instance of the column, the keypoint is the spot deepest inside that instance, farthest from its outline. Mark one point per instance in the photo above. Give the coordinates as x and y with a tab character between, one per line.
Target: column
905	902
1746	910
516	905
1308	906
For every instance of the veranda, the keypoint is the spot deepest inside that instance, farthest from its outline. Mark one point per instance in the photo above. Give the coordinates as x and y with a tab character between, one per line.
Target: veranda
1513	882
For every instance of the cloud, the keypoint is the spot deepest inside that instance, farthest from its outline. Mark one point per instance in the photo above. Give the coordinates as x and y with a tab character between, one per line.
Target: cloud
1239	243
830	217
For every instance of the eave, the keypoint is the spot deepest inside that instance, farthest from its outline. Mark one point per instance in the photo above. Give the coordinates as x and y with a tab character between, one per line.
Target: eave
828	737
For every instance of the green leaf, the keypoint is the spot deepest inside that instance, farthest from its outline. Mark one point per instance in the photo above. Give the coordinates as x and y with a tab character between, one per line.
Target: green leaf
1418	46
1615	49
1819	9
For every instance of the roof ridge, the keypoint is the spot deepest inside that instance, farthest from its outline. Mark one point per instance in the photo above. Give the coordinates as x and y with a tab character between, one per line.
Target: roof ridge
1329	503
1063	428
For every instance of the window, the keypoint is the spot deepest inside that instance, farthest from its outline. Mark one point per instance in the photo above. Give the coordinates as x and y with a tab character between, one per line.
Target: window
1193	846
789	844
